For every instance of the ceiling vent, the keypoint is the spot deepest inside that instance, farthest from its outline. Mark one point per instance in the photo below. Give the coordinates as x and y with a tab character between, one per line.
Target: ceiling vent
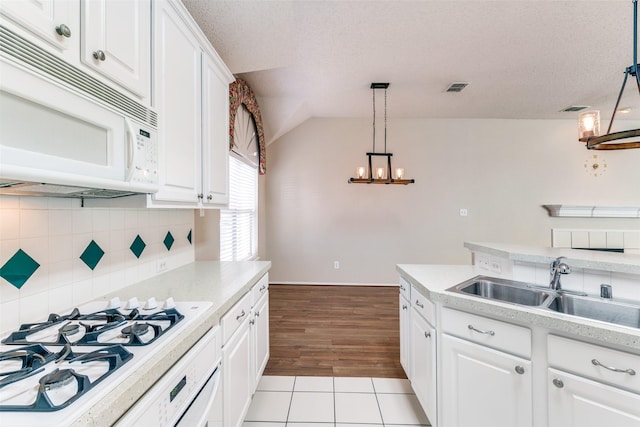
572	108
457	87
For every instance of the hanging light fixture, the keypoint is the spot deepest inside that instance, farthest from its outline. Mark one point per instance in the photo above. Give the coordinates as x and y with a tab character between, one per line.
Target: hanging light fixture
380	173
589	122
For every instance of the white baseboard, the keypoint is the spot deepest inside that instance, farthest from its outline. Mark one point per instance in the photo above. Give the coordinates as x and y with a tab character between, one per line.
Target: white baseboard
332	284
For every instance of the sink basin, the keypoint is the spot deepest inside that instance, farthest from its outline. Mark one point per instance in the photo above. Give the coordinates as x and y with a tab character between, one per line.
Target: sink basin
604	310
502	290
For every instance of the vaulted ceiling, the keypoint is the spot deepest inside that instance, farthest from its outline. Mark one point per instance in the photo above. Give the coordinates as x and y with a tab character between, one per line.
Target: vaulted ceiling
522	58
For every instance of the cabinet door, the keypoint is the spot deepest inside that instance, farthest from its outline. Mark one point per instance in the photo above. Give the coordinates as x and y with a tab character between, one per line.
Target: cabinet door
215	133
236	368
116	42
260	338
177	71
482	387
57	22
576	401
405	336
423	364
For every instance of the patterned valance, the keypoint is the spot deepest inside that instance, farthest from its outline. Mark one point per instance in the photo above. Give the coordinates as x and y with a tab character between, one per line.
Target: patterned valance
241	93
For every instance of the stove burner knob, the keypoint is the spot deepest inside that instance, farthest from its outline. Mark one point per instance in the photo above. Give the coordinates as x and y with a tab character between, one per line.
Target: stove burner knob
115	303
151	304
169	303
132	303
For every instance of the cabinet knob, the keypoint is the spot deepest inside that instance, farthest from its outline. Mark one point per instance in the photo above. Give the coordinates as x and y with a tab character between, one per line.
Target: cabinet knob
257	314
63	30
209	197
99	55
252	322
519	369
404	306
427	334
558	383
200	196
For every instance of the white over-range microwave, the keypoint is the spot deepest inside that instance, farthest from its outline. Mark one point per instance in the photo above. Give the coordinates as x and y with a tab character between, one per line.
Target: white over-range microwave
64	133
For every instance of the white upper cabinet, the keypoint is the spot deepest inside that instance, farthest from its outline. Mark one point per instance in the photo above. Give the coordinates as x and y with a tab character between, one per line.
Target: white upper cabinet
191	94
111	40
116	41
55	22
177	98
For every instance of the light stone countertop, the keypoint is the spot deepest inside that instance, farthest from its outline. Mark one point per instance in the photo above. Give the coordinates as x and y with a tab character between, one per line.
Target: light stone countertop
433	280
222	283
578	258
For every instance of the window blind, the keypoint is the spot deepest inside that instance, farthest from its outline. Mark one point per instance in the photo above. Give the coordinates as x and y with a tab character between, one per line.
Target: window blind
239	222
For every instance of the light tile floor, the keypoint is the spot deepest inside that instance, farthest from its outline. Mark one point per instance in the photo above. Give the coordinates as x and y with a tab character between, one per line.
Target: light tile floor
334	402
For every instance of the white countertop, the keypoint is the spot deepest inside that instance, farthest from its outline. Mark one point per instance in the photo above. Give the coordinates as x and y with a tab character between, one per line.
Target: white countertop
433	280
579	258
222	283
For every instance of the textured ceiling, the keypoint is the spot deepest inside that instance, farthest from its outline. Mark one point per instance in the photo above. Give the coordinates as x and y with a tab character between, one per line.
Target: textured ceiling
523	58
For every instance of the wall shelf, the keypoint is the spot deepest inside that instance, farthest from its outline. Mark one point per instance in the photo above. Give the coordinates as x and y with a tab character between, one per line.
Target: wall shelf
593	211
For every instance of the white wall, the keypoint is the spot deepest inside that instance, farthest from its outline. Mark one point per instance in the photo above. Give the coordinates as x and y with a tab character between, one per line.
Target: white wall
502	171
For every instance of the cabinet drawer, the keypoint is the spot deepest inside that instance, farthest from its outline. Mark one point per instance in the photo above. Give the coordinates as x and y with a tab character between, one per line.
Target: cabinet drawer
233	318
490	332
423	306
592	361
405	288
259	289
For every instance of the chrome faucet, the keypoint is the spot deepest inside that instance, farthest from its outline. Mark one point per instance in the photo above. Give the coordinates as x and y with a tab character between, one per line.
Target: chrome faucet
558	267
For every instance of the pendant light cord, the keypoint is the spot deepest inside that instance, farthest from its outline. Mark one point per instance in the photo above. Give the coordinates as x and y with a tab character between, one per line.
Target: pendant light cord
385	120
374	120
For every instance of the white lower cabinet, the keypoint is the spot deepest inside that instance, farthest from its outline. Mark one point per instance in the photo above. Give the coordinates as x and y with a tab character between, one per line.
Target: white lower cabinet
591	385
483	387
577	401
423	364
238	382
405	338
259	339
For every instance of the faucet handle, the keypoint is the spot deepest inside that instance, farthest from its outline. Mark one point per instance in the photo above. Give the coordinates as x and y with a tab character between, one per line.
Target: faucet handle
606	291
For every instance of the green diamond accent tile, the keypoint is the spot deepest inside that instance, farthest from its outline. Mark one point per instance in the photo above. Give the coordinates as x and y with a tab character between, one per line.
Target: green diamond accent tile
138	245
168	241
92	255
189	237
18	268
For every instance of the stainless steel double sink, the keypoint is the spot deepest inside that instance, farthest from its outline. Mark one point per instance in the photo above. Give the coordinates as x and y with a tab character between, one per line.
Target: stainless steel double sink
618	312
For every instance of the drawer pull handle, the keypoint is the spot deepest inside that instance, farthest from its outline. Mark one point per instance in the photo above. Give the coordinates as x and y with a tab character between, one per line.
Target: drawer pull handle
610	368
558	383
481	331
262	288
519	369
252	322
402	288
418	304
257	314
427	334
241	315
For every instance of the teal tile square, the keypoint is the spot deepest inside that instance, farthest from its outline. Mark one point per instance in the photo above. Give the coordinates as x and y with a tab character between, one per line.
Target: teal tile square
19	268
92	255
137	247
168	240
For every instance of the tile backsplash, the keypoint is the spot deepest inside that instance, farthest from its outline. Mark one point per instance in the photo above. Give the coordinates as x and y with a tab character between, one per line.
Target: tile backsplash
55	254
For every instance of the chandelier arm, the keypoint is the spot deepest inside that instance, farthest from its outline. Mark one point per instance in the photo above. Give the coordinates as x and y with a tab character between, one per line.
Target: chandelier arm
615	109
374	121
385	125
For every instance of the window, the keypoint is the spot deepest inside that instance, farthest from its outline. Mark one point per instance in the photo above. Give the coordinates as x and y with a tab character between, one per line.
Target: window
239	222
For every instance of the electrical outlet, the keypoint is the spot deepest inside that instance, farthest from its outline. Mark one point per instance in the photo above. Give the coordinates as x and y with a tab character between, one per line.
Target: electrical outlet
336	264
161	265
496	267
464	212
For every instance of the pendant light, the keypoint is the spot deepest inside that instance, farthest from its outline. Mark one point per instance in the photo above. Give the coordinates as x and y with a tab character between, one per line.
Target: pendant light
378	174
589	122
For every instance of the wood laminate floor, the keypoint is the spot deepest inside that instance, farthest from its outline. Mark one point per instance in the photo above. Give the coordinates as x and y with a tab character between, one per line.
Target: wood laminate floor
342	331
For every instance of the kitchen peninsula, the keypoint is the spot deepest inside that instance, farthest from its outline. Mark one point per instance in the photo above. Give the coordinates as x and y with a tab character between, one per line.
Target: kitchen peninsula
479	361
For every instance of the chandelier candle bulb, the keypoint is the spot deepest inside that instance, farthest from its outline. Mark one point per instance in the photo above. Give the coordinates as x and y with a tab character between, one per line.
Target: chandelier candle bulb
399	173
589	124
380	173
360	172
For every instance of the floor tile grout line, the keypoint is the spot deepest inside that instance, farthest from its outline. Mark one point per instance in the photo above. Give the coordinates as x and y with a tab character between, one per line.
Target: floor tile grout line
286	421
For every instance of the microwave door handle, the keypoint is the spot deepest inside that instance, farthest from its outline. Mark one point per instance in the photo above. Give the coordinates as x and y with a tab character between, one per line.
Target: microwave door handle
131	150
